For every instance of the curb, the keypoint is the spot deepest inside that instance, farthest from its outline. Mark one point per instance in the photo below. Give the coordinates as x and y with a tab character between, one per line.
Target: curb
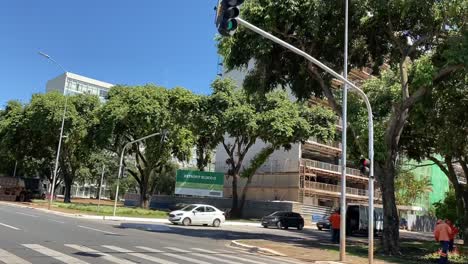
255	249
119	218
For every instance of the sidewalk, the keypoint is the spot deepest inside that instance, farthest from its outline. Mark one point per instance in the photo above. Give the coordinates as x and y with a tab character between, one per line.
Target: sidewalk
118	218
304	253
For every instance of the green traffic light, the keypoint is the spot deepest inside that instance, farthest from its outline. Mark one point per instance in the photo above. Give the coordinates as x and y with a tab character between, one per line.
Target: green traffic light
230	25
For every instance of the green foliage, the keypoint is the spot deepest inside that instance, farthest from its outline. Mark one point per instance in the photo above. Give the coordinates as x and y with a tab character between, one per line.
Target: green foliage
409	188
272	118
447	209
134	112
423	42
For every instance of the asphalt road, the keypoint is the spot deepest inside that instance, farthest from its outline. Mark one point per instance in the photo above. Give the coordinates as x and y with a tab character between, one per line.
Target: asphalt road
33	236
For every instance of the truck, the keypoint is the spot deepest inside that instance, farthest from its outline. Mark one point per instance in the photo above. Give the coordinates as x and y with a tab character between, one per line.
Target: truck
357	219
13	189
35	188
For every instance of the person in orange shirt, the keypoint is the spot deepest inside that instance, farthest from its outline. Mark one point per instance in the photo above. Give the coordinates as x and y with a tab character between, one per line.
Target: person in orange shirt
442	234
454	234
335	219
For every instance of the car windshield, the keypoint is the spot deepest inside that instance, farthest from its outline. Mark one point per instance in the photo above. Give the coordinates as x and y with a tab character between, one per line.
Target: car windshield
188	208
276	214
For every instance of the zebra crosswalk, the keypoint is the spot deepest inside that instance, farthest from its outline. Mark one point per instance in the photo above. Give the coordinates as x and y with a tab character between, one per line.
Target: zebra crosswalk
86	254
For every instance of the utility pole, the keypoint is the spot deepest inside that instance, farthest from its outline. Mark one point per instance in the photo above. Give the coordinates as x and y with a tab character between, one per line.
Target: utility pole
344	126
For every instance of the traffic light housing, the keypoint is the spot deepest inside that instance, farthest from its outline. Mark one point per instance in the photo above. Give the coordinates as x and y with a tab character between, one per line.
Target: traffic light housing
364	166
226	13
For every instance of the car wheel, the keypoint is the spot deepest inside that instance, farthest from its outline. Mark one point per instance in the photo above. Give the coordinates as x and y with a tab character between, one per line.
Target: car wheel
319	228
300	227
265	226
216	222
186	221
279	225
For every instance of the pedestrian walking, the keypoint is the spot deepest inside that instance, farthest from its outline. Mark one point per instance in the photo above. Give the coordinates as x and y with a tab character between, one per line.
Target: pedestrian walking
335	219
453	235
442	234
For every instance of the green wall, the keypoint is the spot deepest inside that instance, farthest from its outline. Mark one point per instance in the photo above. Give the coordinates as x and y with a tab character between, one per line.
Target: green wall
440	182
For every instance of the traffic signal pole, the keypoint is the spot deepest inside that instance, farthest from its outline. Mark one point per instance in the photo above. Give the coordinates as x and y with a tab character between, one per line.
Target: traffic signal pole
269	36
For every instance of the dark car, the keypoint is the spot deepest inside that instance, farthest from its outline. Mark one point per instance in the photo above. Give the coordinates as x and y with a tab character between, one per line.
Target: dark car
324	223
283	220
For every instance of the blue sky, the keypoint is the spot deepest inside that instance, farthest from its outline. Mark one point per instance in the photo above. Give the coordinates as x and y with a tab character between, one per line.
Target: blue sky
165	42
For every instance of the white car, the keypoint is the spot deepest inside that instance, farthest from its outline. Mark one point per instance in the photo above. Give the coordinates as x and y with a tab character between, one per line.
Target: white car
197	214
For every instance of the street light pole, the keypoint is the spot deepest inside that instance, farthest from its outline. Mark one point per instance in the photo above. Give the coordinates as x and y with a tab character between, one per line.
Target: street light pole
52	189
100	187
313	60
344	126
121	162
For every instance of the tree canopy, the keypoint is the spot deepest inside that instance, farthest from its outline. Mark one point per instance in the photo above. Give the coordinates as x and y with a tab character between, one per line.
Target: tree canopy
423	43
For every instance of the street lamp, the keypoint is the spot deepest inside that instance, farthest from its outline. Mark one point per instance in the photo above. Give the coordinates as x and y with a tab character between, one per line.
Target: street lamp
313	60
343	142
52	188
164	132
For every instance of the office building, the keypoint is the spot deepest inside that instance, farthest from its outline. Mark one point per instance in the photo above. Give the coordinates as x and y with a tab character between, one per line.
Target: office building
71	83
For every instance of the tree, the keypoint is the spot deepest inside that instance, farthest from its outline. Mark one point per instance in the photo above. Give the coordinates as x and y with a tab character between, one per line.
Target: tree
10	136
439	127
447	209
409	188
207	138
134	112
396	32
272	118
42	121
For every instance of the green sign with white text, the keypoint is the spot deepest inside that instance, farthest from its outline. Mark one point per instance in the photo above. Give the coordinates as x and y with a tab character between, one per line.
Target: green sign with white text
199	183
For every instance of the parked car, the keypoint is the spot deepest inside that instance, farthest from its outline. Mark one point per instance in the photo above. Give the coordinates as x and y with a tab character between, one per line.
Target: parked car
197	214
283	220
324	223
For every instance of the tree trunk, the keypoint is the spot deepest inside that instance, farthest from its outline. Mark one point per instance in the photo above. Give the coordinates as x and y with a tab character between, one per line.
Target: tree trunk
98	189
143	196
244	195
390	219
465	217
235	213
68	185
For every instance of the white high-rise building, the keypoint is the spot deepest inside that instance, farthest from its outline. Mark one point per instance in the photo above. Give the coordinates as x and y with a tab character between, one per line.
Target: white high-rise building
71	83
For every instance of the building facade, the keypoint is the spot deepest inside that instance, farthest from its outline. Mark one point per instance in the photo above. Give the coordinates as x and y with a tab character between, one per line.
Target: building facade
71	83
309	173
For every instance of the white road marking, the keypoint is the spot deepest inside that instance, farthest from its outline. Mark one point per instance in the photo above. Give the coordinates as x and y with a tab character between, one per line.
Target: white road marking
228	256
9	226
55	254
98	230
56	221
8	258
102	255
270	259
218	260
175	256
139	255
27	214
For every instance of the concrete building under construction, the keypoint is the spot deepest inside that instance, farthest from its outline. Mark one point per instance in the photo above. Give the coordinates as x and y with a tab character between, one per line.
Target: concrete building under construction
308	173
